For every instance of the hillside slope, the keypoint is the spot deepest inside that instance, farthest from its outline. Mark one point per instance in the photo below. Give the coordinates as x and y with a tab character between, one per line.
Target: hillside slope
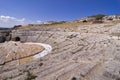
81	51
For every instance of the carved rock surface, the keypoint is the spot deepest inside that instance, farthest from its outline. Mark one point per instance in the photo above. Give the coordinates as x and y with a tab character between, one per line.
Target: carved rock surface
90	53
10	51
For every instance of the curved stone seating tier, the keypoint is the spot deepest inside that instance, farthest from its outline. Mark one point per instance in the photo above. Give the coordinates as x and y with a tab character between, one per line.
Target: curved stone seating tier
90	54
10	51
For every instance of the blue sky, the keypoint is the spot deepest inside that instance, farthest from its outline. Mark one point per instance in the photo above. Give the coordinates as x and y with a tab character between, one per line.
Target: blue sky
36	11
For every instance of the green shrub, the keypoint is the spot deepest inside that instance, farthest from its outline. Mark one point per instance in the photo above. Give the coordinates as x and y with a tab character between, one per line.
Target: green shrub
98	16
55	22
17	26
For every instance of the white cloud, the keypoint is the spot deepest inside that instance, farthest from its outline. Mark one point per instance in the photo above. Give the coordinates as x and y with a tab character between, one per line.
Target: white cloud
39	21
9	18
9	21
6	18
21	20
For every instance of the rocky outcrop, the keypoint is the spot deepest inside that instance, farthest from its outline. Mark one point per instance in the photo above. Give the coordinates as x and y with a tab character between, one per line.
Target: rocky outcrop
2	39
103	19
11	51
90	53
5	35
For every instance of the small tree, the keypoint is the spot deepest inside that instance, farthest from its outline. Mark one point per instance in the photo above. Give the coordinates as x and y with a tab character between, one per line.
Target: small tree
17	26
98	16
56	22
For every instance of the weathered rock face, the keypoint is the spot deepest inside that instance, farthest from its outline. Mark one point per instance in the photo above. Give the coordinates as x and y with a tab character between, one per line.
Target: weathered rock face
104	19
2	39
11	51
115	31
91	53
5	35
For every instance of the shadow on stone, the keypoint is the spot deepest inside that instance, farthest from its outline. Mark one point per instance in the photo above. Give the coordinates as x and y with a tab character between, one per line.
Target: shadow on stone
2	39
16	39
